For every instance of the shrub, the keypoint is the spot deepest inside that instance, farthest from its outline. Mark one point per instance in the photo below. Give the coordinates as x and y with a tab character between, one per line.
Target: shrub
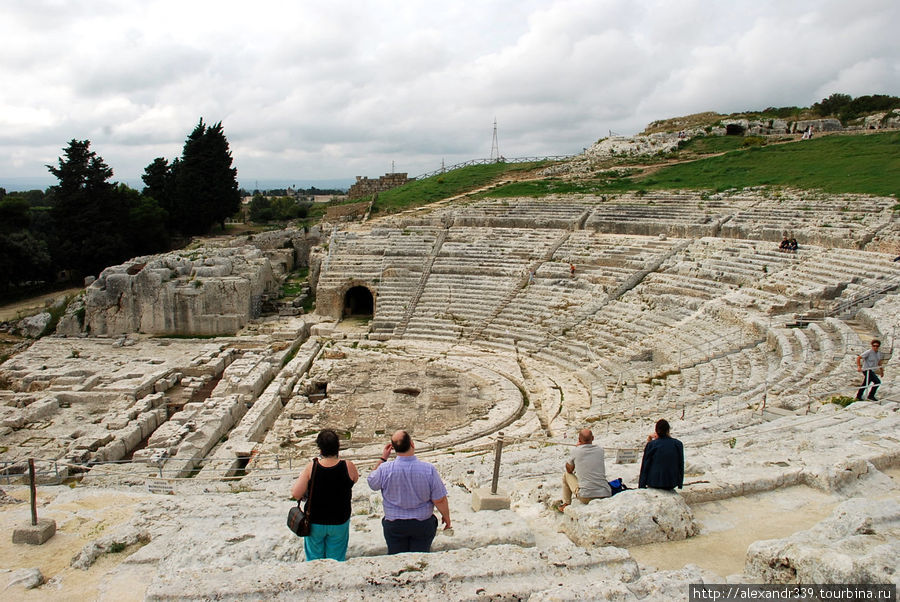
842	400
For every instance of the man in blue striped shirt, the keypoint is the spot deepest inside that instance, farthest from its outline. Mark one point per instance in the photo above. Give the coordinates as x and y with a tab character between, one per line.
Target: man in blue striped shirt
410	489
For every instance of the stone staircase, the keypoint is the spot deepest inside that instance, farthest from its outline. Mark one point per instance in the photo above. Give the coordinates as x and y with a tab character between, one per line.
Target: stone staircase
426	271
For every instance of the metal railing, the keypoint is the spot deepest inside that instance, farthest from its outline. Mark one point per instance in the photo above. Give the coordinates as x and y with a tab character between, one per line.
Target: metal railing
839	308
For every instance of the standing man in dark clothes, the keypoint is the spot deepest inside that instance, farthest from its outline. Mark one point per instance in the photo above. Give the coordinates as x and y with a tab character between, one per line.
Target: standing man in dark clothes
662	466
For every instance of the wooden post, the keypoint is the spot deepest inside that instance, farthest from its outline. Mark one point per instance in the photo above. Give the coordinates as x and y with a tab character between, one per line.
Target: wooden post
34	521
498	447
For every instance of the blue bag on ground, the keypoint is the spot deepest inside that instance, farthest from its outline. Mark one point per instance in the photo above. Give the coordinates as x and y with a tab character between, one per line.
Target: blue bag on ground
617	485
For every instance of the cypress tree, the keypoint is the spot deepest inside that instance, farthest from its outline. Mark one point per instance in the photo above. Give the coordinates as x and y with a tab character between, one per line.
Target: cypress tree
88	217
205	189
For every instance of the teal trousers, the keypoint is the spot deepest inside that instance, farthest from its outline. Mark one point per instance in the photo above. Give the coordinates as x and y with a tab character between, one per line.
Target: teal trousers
327	541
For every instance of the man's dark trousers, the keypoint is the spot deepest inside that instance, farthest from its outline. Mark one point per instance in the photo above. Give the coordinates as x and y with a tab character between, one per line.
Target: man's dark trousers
409	534
870	382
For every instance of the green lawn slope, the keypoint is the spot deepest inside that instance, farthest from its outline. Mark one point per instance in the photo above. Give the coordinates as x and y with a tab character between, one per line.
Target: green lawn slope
867	164
446	185
864	163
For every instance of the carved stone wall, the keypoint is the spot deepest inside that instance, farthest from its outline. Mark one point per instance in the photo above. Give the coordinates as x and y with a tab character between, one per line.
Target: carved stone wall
365	186
198	292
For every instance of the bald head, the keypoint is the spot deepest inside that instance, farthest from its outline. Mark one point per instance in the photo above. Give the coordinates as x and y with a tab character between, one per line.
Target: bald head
585	436
401	442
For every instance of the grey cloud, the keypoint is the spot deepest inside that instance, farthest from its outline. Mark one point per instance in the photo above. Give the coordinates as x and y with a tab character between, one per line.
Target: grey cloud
324	90
139	70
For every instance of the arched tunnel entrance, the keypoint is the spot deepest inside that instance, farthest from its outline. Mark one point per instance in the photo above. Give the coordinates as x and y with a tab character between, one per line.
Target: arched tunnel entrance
733	129
358	302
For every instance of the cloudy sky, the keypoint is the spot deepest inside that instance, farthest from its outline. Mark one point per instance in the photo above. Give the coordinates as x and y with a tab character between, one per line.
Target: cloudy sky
334	89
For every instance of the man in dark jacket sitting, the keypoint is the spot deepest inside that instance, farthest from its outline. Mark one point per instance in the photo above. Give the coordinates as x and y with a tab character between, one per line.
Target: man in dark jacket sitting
662	466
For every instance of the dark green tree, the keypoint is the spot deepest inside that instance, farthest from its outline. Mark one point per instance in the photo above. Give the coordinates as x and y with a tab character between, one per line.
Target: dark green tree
23	253
156	178
146	229
861	105
23	258
832	105
88	214
14	214
261	209
205	188
158	184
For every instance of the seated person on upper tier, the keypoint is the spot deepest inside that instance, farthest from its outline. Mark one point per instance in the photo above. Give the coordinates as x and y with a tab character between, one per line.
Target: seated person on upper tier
662	466
793	244
785	244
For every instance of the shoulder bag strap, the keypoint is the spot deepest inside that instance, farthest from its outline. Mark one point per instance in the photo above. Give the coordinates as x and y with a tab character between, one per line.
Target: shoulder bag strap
312	476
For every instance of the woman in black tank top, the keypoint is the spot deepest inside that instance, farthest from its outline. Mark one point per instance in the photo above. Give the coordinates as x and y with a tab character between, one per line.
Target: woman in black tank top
329	501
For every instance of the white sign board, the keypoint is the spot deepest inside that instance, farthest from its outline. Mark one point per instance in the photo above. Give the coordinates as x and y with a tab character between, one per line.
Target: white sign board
160	486
626	456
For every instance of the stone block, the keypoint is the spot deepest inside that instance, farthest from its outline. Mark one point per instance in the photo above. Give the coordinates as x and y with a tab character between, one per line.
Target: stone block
114	450
35	534
651	515
26	579
148	423
15	421
164	433
78	456
322	329
483	499
92	442
115	423
132	436
191	408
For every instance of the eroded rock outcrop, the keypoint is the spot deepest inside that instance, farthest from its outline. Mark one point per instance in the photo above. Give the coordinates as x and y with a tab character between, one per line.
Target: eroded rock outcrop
198	292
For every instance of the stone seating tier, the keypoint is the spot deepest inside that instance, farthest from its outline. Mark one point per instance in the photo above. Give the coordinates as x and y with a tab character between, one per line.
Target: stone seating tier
456	305
677	282
478	288
484	264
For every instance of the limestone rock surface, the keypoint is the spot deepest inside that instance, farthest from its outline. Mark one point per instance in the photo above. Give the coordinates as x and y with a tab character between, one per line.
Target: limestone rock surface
662	585
858	543
25	579
494	572
203	291
33	326
635	516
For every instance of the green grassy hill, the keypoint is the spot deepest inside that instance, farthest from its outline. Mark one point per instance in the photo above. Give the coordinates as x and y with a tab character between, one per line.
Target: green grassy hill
847	163
865	163
447	185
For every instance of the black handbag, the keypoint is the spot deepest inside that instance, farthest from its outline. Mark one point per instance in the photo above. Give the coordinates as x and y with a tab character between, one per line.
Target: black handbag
298	518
